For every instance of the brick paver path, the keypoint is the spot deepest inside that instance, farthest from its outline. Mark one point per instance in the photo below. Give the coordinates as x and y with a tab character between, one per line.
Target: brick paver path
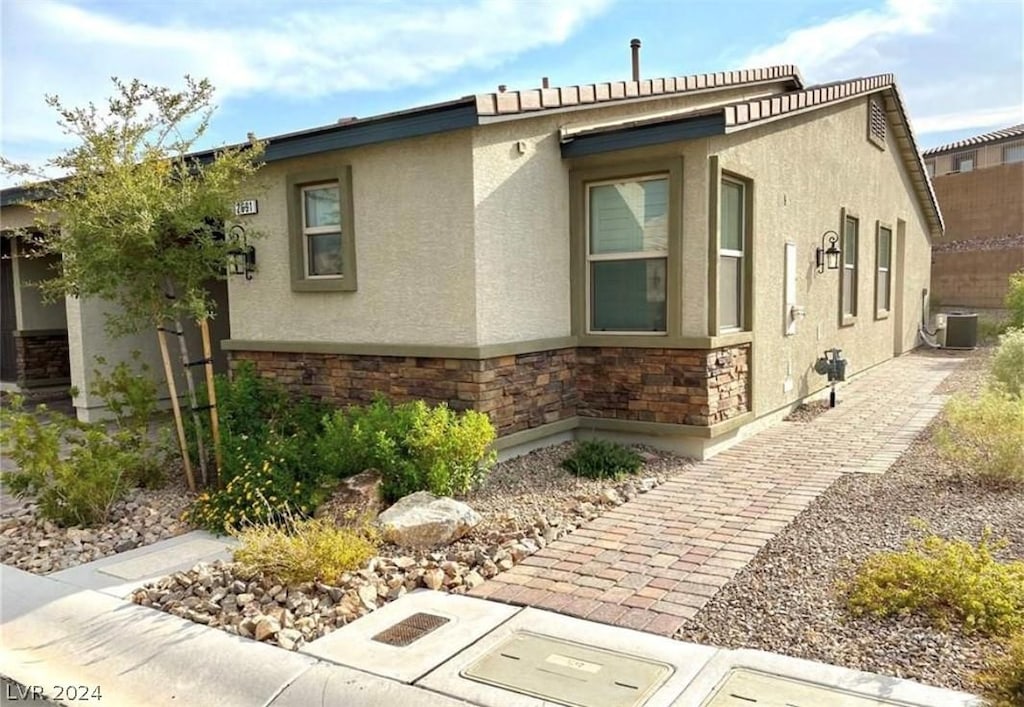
655	561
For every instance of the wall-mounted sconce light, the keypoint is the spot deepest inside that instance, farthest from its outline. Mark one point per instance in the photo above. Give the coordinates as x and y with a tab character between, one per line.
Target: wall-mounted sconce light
828	256
242	256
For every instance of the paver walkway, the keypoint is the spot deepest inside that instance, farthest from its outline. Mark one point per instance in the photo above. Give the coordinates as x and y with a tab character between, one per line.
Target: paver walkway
655	561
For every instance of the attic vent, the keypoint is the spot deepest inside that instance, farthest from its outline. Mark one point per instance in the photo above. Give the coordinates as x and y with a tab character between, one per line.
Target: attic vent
876	123
411	629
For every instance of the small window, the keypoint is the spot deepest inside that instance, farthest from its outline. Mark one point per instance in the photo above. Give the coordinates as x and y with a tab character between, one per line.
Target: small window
883	251
929	165
627	255
964	162
322	231
849	275
876	123
732	254
1013	153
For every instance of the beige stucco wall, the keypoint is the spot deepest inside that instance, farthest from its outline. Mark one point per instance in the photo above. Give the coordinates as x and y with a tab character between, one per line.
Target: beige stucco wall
521	219
804	170
33	312
413	209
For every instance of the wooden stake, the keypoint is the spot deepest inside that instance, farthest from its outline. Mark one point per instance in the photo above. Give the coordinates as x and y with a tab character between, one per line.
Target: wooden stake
204	328
190	382
178	422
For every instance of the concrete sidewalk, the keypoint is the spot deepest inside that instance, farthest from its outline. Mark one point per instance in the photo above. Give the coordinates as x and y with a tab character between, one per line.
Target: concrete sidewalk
653	562
55	636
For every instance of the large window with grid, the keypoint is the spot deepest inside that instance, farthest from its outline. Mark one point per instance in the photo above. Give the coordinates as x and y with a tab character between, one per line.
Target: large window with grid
627	255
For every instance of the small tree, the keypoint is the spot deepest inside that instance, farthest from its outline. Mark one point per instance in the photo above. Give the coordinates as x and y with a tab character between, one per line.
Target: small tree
139	219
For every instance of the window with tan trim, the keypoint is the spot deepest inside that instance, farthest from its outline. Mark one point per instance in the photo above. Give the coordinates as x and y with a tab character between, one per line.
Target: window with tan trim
883	265
733	247
848	276
322	231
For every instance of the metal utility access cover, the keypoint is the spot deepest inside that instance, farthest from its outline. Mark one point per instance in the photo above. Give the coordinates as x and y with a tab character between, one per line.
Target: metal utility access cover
749	688
569	673
411	629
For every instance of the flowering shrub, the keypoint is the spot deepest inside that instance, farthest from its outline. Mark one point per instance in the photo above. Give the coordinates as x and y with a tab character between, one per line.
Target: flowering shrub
261	485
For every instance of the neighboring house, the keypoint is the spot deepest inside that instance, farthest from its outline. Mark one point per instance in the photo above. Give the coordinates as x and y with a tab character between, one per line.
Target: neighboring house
979	183
635	258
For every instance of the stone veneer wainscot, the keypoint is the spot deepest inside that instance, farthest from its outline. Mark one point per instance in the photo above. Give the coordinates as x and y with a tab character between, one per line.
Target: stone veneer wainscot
520	392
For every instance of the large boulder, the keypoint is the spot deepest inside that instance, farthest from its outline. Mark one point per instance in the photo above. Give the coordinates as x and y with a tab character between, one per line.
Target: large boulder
423	520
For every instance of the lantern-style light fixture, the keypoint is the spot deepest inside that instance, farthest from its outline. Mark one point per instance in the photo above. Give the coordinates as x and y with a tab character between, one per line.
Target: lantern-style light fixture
828	256
242	256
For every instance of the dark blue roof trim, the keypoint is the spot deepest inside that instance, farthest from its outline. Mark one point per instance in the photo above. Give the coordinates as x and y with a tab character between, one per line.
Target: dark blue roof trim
630	136
369	131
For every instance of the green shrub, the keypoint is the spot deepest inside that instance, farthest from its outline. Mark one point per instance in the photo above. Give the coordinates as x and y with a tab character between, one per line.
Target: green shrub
415	447
1008	362
261	484
306	550
1002	683
1015	299
602	459
78	487
950	581
270	465
131	398
989	330
986	434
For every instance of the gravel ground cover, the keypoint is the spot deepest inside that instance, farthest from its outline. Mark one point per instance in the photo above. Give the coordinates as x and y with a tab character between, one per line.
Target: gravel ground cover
526	503
143	517
789	598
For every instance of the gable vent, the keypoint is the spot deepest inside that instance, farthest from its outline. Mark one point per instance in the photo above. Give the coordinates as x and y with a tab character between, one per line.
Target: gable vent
876	123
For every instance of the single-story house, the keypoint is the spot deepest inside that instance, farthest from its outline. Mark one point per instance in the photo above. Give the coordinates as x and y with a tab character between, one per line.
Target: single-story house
637	258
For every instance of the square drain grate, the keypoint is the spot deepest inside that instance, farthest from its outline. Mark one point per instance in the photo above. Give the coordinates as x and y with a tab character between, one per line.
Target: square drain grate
411	629
568	673
750	688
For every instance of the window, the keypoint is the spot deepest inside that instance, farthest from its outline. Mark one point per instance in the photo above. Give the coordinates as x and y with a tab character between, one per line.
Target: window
627	254
930	166
883	256
321	229
1013	153
731	256
876	123
322	232
849	274
964	162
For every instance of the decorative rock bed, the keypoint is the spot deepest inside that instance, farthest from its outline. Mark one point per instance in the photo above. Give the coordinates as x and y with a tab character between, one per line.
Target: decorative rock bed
526	503
144	517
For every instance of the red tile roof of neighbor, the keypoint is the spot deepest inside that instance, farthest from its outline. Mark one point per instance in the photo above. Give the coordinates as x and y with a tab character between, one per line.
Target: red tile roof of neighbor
1014	131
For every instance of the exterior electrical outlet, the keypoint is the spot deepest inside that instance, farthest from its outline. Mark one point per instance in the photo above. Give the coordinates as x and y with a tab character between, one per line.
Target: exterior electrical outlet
749	688
568	673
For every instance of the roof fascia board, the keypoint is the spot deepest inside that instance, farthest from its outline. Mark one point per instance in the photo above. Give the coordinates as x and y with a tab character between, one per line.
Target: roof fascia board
644	135
373	132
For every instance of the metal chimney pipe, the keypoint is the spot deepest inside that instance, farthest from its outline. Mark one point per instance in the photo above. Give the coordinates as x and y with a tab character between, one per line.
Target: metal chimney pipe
634	45
544	82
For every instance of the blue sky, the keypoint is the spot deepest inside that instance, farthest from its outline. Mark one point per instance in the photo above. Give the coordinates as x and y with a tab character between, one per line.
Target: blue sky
285	65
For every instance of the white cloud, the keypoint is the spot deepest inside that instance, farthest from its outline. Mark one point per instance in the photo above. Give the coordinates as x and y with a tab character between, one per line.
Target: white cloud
293	50
958	62
970	120
822	48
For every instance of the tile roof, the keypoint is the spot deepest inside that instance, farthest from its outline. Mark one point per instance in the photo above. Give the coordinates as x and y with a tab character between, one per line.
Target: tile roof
760	110
1004	134
515	102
